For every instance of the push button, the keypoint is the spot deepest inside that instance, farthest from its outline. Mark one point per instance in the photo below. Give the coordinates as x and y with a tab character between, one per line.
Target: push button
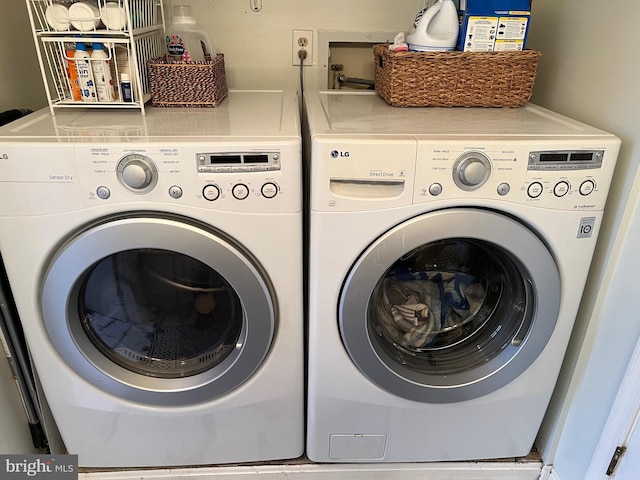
175	192
503	189
269	190
211	192
535	190
587	187
561	189
240	191
103	192
435	189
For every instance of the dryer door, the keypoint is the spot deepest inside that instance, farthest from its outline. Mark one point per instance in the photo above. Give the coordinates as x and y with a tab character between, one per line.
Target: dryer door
450	305
158	309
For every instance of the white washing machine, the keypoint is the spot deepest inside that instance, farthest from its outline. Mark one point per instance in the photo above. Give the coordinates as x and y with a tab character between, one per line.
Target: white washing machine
447	256
156	263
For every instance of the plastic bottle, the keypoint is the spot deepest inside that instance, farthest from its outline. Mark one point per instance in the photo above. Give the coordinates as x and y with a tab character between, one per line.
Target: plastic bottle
122	59
125	87
101	68
85	75
72	72
186	41
435	28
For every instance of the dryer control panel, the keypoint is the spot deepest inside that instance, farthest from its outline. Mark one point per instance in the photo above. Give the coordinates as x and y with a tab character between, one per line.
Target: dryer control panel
238	177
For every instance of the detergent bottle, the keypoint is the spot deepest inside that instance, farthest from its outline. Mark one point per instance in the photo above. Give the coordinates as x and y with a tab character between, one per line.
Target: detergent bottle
85	74
186	41
435	28
101	68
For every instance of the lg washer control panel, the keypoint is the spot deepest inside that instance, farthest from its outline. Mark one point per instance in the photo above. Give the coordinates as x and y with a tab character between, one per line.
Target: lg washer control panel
565	178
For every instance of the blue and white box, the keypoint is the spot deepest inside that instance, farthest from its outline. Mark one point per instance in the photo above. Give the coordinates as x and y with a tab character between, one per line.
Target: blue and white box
494	25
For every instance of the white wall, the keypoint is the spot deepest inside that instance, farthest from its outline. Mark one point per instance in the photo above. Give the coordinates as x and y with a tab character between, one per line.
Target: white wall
20	77
589	71
257	46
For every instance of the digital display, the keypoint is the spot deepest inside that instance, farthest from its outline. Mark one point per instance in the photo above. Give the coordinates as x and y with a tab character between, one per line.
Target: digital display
565	160
238	161
224	159
554	157
582	157
256	158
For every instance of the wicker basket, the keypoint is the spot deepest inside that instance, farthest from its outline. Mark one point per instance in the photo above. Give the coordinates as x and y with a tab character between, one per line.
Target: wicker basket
188	84
455	79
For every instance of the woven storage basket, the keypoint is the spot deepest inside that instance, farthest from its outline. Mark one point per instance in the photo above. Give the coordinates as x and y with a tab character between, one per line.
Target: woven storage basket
455	79
188	84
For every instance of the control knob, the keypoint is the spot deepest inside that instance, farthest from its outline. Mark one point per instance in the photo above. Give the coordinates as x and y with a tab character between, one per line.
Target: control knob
137	173
471	170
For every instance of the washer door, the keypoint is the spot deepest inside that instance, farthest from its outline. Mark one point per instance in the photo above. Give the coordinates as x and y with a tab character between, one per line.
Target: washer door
158	310
450	305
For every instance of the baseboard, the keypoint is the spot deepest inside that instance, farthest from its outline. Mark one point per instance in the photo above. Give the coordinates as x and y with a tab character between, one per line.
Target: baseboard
494	470
548	473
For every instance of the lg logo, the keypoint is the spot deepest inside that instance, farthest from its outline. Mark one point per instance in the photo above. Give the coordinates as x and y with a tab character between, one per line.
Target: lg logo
336	154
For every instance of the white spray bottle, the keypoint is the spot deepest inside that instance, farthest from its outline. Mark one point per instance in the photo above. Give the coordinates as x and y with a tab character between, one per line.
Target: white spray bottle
435	28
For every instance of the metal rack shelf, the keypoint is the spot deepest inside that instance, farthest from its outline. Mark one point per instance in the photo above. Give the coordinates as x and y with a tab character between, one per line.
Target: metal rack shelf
131	31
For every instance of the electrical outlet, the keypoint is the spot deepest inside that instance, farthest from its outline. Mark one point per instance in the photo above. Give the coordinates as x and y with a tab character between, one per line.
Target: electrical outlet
302	40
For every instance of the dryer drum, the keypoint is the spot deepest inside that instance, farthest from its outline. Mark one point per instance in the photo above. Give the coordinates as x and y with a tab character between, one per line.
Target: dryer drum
449	306
159	313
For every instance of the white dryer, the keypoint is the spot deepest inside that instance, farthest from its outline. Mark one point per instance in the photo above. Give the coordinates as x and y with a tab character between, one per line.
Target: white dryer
448	250
156	264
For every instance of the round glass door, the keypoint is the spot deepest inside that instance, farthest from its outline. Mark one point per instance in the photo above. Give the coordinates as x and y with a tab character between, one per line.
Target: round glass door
450	305
158	309
160	313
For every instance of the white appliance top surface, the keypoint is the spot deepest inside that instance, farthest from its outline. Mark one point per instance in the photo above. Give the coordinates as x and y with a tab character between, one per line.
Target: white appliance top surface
243	114
352	113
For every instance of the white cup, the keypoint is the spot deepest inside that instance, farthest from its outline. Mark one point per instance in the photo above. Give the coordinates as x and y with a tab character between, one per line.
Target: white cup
57	16
113	16
84	16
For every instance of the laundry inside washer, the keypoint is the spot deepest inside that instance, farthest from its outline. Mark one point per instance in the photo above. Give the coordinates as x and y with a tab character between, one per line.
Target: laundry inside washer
436	305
